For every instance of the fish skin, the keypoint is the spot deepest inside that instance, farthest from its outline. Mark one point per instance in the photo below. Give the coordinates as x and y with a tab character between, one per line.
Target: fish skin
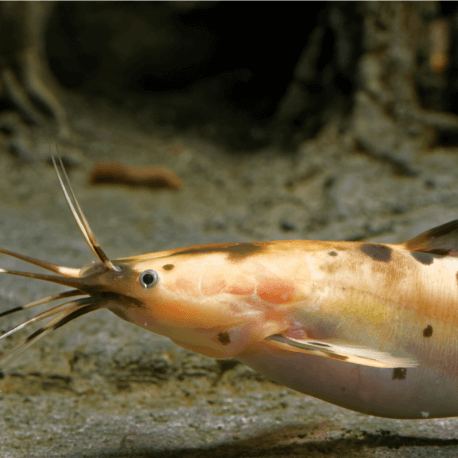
402	306
377	296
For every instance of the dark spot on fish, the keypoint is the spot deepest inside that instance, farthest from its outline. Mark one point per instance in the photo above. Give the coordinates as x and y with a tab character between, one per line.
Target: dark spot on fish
342	389
223	337
428	331
377	252
399	373
168	267
236	252
332	253
425	258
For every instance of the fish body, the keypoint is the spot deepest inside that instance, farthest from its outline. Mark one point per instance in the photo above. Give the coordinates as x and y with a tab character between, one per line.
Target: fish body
370	327
227	300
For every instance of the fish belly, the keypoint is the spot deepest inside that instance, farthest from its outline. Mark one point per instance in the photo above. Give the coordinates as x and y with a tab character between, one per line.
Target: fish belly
407	393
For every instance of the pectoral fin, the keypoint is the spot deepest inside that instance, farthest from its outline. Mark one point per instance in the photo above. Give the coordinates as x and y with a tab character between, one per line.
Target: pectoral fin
346	352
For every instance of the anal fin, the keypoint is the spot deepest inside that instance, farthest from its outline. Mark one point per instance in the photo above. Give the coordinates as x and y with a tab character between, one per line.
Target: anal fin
345	352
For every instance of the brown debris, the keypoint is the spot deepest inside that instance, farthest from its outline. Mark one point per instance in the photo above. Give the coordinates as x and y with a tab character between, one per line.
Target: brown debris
156	177
439	37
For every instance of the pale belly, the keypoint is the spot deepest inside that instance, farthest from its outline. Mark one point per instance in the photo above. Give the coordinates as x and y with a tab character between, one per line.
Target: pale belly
394	393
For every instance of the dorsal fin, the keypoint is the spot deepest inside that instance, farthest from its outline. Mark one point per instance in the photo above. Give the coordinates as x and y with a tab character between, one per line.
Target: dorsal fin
441	240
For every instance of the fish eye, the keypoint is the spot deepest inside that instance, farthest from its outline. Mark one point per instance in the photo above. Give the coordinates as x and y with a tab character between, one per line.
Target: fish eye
148	278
